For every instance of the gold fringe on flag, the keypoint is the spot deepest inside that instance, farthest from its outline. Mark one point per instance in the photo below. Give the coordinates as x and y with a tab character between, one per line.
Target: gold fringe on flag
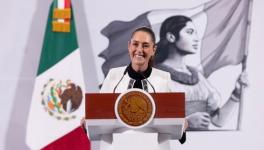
61	26
61	13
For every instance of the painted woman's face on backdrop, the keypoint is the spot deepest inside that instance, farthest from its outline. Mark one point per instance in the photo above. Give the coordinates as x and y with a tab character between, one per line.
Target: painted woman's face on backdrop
188	39
141	48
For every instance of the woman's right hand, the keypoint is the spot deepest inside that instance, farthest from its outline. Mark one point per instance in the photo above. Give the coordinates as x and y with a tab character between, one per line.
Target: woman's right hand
198	121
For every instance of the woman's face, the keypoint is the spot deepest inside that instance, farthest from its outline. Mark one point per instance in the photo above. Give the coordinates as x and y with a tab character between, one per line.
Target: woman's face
141	48
188	39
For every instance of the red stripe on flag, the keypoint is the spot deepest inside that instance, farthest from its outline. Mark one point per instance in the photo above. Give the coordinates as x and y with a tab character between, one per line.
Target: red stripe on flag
75	140
67	4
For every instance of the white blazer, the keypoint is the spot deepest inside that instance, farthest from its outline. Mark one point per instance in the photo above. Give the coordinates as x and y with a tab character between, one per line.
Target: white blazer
160	80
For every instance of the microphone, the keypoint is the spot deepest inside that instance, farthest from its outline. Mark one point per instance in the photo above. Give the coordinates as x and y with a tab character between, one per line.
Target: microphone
148	81
120	79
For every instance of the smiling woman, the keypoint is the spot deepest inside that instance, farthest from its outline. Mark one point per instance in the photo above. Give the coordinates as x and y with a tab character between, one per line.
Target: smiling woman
141	48
139	73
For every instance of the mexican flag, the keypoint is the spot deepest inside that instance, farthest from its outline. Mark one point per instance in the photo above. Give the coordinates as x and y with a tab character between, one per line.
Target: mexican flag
57	104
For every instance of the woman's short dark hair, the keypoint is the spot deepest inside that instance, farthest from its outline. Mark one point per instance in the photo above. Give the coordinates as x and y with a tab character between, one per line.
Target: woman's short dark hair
173	25
147	30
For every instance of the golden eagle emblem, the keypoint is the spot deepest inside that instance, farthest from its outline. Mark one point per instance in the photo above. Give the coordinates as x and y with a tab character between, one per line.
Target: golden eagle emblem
61	98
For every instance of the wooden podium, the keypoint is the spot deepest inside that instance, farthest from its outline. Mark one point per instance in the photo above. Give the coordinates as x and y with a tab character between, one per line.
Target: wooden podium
168	120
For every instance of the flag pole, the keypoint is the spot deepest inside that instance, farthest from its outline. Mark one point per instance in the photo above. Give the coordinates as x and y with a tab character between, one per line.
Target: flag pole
244	66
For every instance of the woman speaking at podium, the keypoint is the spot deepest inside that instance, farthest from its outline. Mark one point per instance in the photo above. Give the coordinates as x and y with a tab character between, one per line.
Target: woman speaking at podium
140	73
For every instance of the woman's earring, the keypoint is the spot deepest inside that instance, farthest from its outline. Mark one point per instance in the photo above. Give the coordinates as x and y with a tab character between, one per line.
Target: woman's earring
170	37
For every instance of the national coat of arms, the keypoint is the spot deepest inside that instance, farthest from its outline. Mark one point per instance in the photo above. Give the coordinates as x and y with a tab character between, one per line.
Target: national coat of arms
61	98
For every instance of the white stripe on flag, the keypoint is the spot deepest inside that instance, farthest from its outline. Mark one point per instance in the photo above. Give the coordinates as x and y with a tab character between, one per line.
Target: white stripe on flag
61	4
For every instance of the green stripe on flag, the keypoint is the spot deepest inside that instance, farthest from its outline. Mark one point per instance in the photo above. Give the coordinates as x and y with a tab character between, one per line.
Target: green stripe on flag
56	45
55	3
